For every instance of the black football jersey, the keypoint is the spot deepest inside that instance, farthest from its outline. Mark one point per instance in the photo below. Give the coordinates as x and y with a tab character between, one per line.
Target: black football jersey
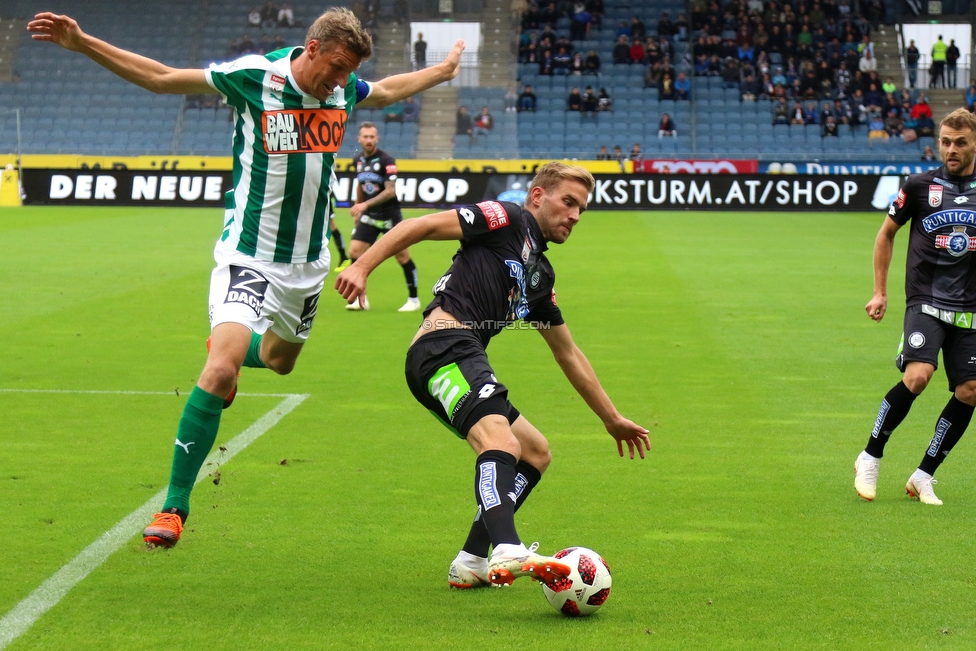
500	274
941	265
372	173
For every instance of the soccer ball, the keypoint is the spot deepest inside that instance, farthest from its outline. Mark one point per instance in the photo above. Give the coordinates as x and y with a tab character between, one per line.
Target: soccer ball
587	586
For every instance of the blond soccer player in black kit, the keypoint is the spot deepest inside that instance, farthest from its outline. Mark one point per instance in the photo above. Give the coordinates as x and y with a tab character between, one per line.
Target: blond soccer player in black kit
940	285
498	276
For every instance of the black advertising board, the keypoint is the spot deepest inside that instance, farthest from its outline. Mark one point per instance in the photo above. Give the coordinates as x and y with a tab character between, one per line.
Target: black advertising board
726	192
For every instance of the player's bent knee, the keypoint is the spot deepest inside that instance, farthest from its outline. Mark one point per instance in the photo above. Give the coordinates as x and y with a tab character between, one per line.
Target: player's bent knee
966	392
281	366
218	377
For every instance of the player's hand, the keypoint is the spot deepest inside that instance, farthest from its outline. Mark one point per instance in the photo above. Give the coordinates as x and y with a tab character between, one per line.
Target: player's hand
624	430
358	210
351	283
877	307
61	30
452	64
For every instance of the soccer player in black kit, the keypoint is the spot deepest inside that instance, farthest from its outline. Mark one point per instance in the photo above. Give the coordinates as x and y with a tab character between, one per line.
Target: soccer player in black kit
940	283
377	210
498	276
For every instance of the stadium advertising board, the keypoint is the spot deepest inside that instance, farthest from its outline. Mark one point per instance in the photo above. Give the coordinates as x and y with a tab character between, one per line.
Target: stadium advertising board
845	168
665	166
417	190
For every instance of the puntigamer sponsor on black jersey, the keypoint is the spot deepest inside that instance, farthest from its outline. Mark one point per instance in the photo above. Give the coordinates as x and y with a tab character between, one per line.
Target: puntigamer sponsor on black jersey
500	274
372	173
942	241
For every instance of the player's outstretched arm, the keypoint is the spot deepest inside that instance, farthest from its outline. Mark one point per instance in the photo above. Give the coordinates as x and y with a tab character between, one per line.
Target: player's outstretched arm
437	226
581	375
393	89
883	247
135	68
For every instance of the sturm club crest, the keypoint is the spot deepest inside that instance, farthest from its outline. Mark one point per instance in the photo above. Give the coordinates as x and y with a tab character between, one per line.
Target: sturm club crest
957	243
916	340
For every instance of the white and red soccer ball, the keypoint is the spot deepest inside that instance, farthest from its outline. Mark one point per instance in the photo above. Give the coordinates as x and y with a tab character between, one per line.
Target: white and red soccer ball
587	586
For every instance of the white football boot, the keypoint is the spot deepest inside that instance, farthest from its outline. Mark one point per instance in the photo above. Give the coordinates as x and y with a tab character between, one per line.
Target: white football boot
920	485
509	562
468	571
412	305
866	475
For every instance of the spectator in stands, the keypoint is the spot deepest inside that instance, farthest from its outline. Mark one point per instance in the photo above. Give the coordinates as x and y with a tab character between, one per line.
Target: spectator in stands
925	126
889	86
590	102
576	65
580	23
623	29
618	155
912	55
749	88
867	63
637	52
666	127
393	112
701	65
894	125
781	112
830	127
938	63
575	101
746	53
665	26
876	128
420	52
682	86
526	101
665	89
866	46
464	125
730	73
603	154
653	75
592	64
928	154
286	16
874	99
511	100
971	96
561	62
797	115
546	63
637	30
842	112
621	51
269	14
921	108
652	53
603	101
484	123
859	112
411	111
951	59
681	29
635	153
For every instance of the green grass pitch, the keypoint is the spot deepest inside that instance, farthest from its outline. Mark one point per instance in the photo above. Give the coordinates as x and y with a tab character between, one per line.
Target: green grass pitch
739	340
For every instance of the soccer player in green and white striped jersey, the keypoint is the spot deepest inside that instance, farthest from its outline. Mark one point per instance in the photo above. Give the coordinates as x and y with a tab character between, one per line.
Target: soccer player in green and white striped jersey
291	108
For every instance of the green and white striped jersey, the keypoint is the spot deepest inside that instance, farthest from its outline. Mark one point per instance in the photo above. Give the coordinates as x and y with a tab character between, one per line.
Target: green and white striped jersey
285	146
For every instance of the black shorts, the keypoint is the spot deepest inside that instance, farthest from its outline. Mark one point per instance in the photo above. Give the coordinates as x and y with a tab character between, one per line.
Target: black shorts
925	335
448	373
370	229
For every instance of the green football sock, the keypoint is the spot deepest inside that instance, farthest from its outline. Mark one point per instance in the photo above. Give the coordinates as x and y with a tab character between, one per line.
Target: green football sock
253	357
194	439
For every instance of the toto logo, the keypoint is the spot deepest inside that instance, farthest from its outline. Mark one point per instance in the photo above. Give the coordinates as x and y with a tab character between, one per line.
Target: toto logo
693	167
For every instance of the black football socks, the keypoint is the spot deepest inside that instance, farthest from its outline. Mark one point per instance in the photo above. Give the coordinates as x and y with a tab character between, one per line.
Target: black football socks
526	478
894	408
952	424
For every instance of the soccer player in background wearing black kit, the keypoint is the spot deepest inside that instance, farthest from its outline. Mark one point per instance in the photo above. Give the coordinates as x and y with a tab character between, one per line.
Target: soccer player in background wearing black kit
499	275
377	210
940	284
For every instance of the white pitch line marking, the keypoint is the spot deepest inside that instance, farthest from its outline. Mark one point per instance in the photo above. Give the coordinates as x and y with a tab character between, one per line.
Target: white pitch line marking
49	593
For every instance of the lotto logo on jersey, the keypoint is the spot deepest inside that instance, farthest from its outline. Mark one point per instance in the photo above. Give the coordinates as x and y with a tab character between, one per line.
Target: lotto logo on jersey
935	195
494	214
303	131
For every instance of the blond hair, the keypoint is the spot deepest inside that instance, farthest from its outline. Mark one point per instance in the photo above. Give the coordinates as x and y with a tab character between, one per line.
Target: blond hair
552	174
338	26
960	119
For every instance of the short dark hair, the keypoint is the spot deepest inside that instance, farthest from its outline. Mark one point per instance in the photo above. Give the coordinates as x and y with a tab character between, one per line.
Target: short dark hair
367	125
